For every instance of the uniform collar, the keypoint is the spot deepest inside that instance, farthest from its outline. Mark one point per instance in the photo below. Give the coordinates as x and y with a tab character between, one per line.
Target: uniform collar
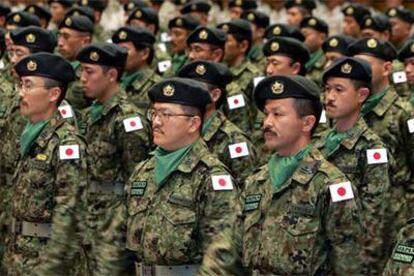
386	102
238	70
216	123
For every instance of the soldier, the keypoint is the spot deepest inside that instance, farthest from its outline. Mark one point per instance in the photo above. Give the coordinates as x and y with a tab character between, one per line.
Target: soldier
180	199
98	6
199	9
387	115
377	26
238	44
297	10
406	55
401	21
237	7
336	47
222	137
315	31
357	151
206	43
119	138
58	8
300	213
75	32
51	176
139	77
180	27
354	13
259	22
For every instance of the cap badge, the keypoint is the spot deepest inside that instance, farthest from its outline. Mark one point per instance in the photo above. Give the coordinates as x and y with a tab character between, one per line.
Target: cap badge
250	16
274	46
94	56
68	21
277	30
372	43
84	2
201	69
138	14
203	35
333	43
368	22
392	12
168	90
346	68
123	35
312	22
412	48
349	11
277	88
31	10
17	18
179	22
30	38
238	2
31	66
131	6
225	28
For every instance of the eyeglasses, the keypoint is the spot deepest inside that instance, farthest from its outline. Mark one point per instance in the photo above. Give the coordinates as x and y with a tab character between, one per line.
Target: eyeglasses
164	116
26	87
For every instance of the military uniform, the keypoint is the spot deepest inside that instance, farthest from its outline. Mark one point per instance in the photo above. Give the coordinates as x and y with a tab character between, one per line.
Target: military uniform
404	89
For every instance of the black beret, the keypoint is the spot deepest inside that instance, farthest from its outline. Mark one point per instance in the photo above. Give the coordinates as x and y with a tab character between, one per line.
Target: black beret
196	6
349	68
139	36
98	5
22	19
407	50
181	91
35	38
373	47
286	46
148	15
278	30
239	27
207	35
39	64
40	11
357	11
258	18
377	22
103	53
244	4
284	86
4	9
338	43
66	3
2	40
133	4
85	11
185	21
79	23
315	23
206	71
403	14
307	4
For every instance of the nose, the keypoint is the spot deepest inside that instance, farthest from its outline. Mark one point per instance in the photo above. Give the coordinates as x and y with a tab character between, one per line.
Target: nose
269	70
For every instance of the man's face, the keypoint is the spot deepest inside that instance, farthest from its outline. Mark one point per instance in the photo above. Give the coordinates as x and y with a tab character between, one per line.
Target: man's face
202	51
17	53
58	12
409	70
282	125
294	16
94	80
70	42
313	39
279	65
169	130
235	12
232	50
377	68
178	40
135	57
400	30
35	98
350	27
341	99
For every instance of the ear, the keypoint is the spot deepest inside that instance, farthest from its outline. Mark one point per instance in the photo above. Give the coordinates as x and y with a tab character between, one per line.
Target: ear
244	45
215	94
112	74
218	55
195	124
363	94
54	94
144	53
308	123
296	68
387	67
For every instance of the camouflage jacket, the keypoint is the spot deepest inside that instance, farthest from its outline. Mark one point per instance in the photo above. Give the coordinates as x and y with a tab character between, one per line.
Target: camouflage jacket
173	224
221	138
242	112
138	90
315	69
372	182
48	187
401	260
75	95
299	229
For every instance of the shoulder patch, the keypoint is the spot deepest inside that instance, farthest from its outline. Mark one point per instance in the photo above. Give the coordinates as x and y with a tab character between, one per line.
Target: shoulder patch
341	191
68	152
238	150
132	124
252	202
65	111
236	101
222	182
377	156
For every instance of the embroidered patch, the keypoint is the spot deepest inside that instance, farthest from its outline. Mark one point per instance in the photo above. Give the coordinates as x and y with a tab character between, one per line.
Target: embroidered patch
252	202
399	257
138	188
302	209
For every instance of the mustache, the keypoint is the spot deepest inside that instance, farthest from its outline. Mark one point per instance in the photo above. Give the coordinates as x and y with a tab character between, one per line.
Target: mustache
268	130
157	129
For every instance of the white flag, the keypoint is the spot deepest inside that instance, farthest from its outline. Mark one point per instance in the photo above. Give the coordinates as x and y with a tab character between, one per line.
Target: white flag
164	65
341	191
238	150
399	77
410	124
69	152
222	182
132	124
377	156
236	101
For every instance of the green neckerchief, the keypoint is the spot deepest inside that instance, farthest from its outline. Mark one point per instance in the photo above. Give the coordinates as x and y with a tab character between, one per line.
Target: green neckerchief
96	110
373	101
178	61
207	123
128	79
254	52
167	162
313	59
75	65
333	140
283	167
29	135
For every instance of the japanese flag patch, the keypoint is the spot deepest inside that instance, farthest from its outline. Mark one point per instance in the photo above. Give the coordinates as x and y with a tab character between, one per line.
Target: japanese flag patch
132	124
164	65
236	101
377	156
238	150
399	77
68	152
410	124
323	119
341	191
222	182
65	111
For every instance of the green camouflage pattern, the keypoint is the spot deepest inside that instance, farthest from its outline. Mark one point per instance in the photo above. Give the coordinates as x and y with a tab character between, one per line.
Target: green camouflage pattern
373	184
48	189
298	229
315	71
175	223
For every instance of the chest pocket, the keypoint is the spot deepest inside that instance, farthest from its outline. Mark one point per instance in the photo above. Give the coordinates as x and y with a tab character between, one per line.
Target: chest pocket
40	171
300	220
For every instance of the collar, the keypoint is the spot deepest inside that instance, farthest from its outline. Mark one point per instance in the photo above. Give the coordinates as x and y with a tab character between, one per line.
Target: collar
216	123
238	70
386	102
